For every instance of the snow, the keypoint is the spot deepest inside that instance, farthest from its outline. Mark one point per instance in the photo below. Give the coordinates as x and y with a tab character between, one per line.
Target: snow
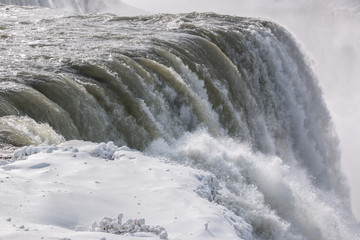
83	190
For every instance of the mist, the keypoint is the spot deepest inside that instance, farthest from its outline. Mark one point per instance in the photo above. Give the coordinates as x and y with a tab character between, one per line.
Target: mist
329	35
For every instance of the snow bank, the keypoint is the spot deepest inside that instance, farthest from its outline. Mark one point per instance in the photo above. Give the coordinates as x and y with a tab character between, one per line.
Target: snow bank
58	191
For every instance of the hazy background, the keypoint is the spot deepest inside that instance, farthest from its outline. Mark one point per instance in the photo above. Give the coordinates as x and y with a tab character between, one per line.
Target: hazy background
329	33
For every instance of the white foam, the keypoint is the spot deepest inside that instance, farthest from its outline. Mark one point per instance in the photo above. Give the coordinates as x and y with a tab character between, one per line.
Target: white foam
276	198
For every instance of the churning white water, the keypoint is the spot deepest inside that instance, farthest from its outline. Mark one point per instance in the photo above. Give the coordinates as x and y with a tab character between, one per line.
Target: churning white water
233	96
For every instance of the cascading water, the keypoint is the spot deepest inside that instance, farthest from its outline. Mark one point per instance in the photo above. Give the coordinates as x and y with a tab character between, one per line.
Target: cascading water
234	96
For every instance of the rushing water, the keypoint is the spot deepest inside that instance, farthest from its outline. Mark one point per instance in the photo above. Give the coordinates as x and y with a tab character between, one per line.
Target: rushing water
231	95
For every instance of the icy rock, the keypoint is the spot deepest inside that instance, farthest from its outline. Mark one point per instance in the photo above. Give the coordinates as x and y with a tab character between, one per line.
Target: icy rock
209	187
145	228
124	148
51	149
163	235
141	221
241	227
105	150
22	153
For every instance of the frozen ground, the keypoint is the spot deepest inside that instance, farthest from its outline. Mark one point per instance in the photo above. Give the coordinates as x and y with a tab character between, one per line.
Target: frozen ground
58	192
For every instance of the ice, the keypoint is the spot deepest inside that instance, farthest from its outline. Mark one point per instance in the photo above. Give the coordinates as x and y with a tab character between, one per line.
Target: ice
23	152
209	187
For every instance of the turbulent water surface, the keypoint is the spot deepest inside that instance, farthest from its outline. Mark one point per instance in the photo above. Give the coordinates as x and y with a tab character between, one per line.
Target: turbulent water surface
234	96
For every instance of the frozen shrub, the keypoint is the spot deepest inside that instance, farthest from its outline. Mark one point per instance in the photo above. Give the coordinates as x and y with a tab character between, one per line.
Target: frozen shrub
115	226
